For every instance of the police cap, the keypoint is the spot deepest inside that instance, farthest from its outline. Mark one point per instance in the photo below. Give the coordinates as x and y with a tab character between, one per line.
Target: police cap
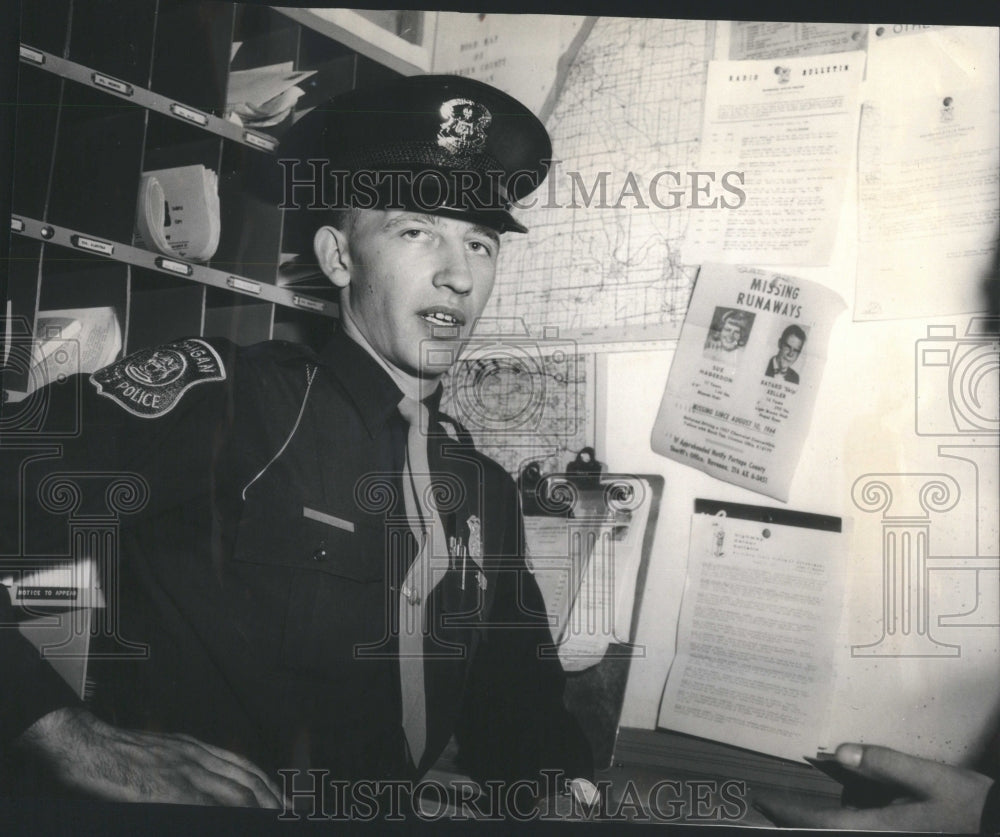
444	145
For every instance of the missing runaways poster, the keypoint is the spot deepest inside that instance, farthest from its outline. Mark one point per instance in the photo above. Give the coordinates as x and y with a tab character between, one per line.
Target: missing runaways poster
743	382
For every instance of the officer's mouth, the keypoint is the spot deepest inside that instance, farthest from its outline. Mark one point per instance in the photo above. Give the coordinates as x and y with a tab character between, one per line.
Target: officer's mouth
444	321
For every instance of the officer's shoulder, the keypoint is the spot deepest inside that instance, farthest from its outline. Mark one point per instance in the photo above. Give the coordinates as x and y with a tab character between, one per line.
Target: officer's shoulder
273	352
154	381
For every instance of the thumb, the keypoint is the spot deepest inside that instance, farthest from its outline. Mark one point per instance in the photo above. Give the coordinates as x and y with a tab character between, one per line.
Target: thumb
922	776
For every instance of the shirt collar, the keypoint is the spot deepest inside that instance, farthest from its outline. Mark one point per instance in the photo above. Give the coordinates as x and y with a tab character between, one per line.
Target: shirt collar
410	385
367	383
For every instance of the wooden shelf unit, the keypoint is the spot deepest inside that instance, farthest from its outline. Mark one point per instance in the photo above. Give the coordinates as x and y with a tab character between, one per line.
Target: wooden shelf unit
109	89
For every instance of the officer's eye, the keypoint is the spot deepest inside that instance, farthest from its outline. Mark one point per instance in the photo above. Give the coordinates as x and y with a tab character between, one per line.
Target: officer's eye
414	233
481	247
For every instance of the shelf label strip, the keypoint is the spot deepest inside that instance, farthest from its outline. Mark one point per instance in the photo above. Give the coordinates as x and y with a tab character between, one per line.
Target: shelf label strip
172	266
28	53
259	141
190	114
105	248
309	304
112	84
245	285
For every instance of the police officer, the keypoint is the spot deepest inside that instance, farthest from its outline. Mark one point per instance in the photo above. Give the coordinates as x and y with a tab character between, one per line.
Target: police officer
318	568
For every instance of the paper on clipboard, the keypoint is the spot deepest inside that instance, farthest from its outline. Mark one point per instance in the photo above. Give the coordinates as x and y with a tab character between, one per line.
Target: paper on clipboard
757	636
586	569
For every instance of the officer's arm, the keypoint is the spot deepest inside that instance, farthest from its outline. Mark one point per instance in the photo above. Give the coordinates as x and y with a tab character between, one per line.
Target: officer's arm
73	748
80	443
44	727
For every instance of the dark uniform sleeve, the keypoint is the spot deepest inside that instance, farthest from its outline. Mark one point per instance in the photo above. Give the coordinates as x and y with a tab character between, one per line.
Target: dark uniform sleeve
74	430
989	822
515	723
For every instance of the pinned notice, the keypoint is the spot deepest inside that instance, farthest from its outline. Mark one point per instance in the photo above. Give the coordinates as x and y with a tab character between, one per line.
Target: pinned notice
743	383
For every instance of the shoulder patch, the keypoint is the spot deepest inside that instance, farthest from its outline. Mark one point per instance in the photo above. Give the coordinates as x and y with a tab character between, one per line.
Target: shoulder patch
149	383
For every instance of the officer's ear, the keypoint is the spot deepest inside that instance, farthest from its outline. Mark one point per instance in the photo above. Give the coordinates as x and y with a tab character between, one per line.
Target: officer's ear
333	255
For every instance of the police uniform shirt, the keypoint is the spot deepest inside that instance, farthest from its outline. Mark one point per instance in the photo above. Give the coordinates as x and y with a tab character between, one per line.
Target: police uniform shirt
262	570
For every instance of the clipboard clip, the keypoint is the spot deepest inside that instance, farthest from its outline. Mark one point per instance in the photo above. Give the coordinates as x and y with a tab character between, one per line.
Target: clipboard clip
559	494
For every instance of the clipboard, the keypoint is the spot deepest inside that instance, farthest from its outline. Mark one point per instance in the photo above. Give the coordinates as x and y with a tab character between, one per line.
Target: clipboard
596	513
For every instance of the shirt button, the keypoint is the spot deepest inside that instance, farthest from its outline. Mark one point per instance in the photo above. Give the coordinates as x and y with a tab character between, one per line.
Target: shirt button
320	554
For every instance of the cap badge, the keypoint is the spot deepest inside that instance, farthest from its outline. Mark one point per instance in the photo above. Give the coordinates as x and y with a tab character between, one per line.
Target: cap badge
463	126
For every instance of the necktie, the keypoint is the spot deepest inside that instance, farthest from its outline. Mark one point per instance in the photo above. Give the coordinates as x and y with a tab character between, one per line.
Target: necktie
423	576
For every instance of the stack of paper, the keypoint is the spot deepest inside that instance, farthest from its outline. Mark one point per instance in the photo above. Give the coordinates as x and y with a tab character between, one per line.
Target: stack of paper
178	212
263	96
70	341
55	604
586	568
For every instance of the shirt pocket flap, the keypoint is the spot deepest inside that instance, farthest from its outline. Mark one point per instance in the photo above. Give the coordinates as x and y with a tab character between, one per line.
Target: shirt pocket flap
320	541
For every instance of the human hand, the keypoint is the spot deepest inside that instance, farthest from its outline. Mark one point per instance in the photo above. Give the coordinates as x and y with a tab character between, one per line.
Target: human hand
933	796
87	755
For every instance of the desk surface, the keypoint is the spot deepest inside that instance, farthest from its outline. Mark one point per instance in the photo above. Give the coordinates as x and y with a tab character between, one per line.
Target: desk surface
666	777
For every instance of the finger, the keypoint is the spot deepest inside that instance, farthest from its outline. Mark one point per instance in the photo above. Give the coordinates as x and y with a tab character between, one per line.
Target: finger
203	786
274	796
239	769
886	765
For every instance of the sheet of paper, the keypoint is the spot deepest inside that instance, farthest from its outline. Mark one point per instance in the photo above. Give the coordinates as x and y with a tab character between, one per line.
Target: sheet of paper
741	389
758	625
928	203
91	336
885	31
784	132
55	607
603	261
586	566
628	537
773	39
557	563
602	611
56	586
590	625
69	341
524	52
263	96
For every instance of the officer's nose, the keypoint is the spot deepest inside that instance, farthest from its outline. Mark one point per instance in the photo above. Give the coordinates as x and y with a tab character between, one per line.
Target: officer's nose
453	270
